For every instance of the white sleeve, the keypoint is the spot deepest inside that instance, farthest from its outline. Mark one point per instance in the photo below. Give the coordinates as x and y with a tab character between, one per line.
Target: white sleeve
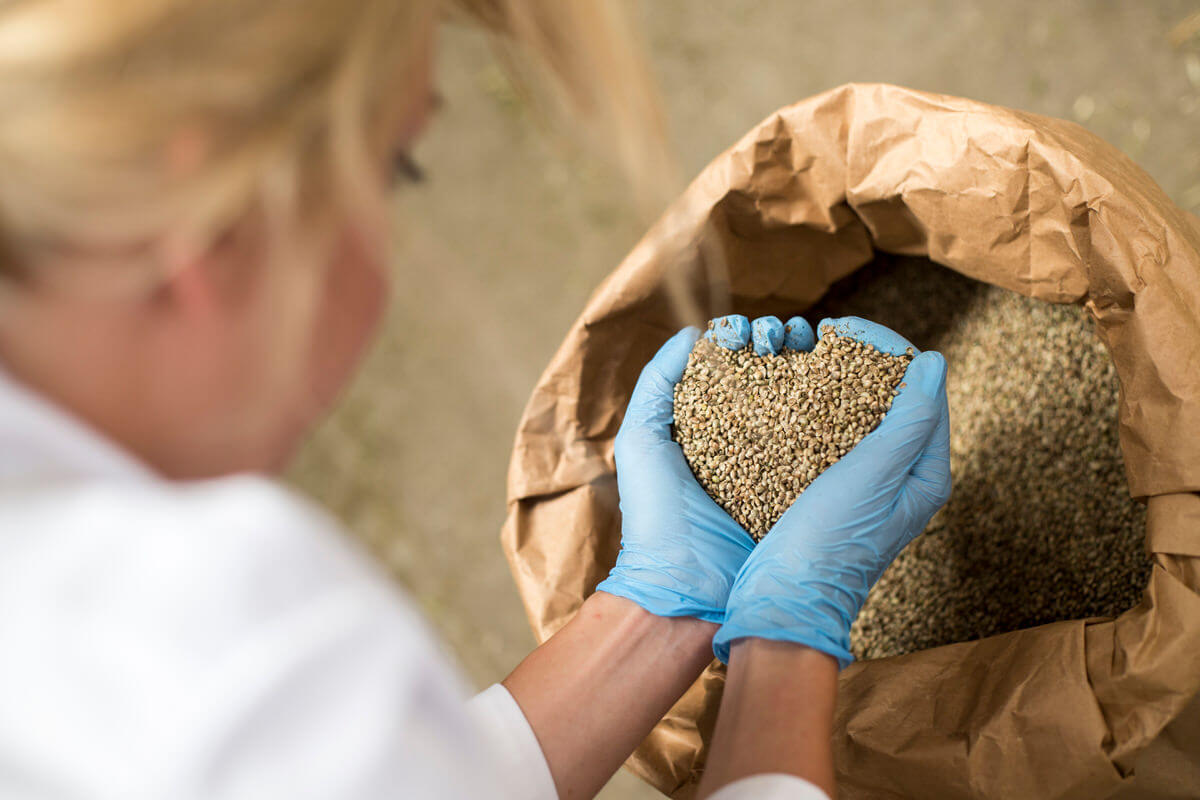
512	740
770	786
513	743
221	642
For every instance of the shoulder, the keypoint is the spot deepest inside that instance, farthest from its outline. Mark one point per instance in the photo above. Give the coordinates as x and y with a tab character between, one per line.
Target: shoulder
104	533
132	510
225	556
217	630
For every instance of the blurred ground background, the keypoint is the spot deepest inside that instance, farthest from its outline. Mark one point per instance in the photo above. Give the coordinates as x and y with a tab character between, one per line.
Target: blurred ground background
497	253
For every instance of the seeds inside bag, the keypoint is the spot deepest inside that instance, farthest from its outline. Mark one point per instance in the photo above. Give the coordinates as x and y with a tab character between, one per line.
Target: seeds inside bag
1040	526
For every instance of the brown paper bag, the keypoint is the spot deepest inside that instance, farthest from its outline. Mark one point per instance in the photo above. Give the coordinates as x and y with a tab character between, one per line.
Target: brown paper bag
1032	204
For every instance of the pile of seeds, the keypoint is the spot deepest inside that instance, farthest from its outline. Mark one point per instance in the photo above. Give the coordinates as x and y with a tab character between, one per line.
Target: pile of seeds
1040	526
756	430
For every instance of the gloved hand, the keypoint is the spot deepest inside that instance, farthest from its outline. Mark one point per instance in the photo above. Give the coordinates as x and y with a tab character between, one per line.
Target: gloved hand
808	578
679	550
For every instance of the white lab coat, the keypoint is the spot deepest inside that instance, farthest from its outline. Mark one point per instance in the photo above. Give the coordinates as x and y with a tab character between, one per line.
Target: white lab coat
219	640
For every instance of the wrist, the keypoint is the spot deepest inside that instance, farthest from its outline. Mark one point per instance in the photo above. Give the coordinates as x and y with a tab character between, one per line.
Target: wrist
776	715
817	611
632	620
597	687
818	632
772	655
643	588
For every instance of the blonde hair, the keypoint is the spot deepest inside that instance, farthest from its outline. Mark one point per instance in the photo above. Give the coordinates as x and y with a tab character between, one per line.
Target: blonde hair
123	120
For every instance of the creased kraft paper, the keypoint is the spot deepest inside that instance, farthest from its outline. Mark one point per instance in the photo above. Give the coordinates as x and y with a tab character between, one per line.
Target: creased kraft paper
1077	709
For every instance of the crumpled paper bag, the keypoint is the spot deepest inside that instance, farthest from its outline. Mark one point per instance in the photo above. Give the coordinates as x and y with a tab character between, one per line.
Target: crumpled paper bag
1036	205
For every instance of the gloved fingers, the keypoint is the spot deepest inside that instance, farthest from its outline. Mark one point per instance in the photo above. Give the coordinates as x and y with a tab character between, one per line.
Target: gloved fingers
731	332
930	479
798	334
890	451
652	404
767	335
883	339
925	491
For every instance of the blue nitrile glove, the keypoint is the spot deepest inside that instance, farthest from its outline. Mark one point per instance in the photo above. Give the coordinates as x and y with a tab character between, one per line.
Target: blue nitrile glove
767	335
808	578
798	334
679	550
732	331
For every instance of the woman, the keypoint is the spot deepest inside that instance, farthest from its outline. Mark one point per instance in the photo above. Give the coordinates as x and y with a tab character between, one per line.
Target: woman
191	261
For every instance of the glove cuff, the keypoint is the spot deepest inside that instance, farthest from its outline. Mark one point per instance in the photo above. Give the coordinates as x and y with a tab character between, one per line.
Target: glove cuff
815	613
815	639
657	600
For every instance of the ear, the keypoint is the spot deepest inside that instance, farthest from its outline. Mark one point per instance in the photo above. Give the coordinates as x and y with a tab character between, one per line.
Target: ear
210	275
191	283
187	262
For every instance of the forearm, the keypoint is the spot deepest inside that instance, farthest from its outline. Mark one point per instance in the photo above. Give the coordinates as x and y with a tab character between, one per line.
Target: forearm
594	690
776	715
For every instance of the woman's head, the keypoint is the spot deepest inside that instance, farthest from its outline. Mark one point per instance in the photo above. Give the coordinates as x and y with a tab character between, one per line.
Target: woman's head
125	119
192	200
